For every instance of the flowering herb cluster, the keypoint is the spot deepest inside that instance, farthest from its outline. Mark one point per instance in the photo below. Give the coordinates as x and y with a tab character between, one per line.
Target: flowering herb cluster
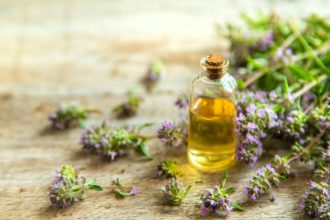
167	169
172	135
174	193
316	201
218	199
254	121
67	116
153	75
112	142
129	108
69	187
122	191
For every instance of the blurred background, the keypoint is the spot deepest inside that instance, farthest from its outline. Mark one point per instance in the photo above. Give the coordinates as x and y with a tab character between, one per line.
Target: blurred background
87	47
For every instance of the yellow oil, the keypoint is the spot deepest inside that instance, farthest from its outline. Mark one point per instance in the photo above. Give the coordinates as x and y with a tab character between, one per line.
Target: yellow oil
211	138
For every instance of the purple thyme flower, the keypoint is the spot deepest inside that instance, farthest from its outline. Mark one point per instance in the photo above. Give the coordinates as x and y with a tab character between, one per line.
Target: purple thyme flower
316	200
134	191
286	56
153	75
171	135
254	121
67	116
266	41
182	102
294	124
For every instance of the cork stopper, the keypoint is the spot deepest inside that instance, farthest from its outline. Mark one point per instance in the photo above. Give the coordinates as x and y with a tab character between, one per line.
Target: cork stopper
215	64
215	60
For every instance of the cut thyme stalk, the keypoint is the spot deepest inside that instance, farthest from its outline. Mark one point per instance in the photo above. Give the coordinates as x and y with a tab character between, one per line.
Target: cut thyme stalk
153	75
122	191
69	115
218	199
129	108
70	187
112	142
174	193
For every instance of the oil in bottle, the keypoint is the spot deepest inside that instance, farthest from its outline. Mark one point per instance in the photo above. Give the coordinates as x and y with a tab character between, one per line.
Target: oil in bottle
211	138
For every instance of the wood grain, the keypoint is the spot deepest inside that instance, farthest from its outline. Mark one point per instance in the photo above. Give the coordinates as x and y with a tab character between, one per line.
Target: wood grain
92	52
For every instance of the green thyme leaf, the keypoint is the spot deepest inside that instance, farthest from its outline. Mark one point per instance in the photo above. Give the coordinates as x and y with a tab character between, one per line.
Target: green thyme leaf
237	207
229	190
143	150
301	73
224	179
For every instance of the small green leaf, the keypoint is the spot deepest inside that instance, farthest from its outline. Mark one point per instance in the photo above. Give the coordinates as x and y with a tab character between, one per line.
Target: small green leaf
95	187
144	150
229	190
91	185
240	84
237	207
120	194
224	179
300	73
286	88
277	108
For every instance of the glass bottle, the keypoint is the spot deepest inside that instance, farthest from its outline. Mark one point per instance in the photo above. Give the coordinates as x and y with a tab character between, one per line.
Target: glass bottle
211	138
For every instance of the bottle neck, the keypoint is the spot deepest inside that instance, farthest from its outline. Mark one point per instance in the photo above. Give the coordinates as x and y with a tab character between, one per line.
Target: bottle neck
214	74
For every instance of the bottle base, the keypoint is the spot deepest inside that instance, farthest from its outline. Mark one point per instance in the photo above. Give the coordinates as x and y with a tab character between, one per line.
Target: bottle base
210	162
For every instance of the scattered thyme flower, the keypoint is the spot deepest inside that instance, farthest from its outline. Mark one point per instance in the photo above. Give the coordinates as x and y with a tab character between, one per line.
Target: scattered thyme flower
128	108
153	75
69	187
122	191
67	116
112	142
172	135
182	102
316	200
265	41
218	198
167	169
174	193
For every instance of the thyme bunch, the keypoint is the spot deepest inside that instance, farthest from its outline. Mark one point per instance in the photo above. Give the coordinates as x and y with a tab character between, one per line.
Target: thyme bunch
174	192
112	142
69	187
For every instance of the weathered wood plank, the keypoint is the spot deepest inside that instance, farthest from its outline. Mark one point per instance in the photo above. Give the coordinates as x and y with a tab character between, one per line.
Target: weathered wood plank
93	52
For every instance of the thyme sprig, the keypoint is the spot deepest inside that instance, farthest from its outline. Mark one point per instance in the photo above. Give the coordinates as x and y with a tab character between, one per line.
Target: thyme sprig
122	191
112	142
70	187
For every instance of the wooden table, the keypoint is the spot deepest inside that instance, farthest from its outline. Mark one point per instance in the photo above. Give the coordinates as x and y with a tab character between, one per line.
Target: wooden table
53	51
